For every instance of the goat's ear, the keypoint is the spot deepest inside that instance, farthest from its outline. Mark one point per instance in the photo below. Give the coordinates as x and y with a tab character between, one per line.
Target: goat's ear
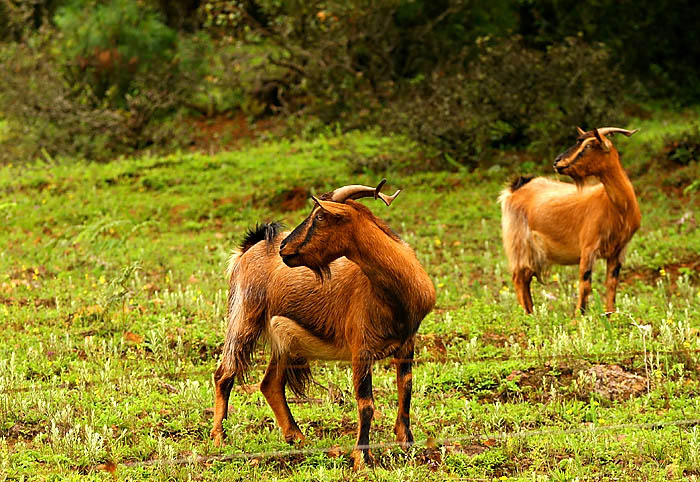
581	132
333	208
604	142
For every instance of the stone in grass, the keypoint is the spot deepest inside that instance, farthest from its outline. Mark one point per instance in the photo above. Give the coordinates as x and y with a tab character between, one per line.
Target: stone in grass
613	382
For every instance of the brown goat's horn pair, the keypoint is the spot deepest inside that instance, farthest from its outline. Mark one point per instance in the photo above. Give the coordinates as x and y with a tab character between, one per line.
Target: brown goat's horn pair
357	191
604	131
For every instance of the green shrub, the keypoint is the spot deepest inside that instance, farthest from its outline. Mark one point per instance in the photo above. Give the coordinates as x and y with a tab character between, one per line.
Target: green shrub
105	47
343	60
112	79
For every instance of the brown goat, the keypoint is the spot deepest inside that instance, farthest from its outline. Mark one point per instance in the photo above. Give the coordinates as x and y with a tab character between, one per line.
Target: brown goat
341	286
548	222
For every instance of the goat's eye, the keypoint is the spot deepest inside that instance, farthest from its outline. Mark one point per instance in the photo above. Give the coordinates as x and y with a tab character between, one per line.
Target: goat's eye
320	217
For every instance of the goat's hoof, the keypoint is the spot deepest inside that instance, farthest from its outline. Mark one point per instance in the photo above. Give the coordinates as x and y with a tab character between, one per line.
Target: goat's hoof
294	437
217	436
404	437
361	459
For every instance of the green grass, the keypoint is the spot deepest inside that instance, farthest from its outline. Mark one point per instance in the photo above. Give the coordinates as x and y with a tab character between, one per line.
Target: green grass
112	296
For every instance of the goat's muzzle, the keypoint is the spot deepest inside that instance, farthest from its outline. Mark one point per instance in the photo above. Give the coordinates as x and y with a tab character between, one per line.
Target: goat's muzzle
558	168
288	255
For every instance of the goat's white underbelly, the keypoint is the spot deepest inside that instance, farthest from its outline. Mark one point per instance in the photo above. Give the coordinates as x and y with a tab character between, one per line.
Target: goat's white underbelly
549	251
286	336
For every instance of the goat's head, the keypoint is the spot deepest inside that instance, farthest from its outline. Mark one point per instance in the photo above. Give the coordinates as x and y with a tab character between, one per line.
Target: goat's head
327	233
591	155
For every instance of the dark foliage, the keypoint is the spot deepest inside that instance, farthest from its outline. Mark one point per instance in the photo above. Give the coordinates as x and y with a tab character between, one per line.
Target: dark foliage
684	147
655	41
19	18
51	116
102	77
511	95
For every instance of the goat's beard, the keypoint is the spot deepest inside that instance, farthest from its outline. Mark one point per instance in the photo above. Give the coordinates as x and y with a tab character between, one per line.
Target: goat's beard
322	273
579	181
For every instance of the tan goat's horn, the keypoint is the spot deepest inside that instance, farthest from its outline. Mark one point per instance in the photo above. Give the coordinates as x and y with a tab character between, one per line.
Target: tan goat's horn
603	131
357	191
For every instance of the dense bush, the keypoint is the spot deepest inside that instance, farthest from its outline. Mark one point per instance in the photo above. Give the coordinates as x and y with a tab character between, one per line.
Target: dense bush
342	60
22	17
111	80
50	115
511	95
652	40
462	77
104	47
427	69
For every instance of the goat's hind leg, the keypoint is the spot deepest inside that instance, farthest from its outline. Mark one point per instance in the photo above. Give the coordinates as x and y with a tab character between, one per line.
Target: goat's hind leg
403	359
272	388
362	381
611	279
522	279
241	337
586	275
223	382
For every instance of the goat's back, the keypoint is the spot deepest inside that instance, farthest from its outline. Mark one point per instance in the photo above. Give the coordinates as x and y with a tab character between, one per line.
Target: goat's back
260	280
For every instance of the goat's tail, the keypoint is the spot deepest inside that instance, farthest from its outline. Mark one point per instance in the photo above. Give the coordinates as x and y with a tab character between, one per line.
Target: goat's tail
298	375
246	322
246	306
520	243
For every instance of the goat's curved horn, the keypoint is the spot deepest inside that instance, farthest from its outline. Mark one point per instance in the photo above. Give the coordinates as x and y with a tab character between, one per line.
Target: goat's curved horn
580	131
603	131
357	191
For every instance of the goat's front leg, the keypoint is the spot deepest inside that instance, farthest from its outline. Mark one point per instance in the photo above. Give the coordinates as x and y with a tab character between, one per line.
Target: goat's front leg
404	385
362	381
272	388
611	279
585	275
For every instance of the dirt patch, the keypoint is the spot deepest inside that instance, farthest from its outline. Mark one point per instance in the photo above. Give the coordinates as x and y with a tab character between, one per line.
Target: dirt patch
291	199
673	270
37	302
501	340
435	344
176	213
610	382
344	426
222	132
21	432
614	383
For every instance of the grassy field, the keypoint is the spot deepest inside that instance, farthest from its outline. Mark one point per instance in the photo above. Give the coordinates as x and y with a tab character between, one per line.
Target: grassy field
112	299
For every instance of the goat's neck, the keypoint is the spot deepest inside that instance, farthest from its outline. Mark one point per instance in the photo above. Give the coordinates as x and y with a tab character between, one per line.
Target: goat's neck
619	189
394	271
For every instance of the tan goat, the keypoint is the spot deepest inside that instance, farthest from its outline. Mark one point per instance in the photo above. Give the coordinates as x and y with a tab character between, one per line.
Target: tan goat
341	286
547	222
